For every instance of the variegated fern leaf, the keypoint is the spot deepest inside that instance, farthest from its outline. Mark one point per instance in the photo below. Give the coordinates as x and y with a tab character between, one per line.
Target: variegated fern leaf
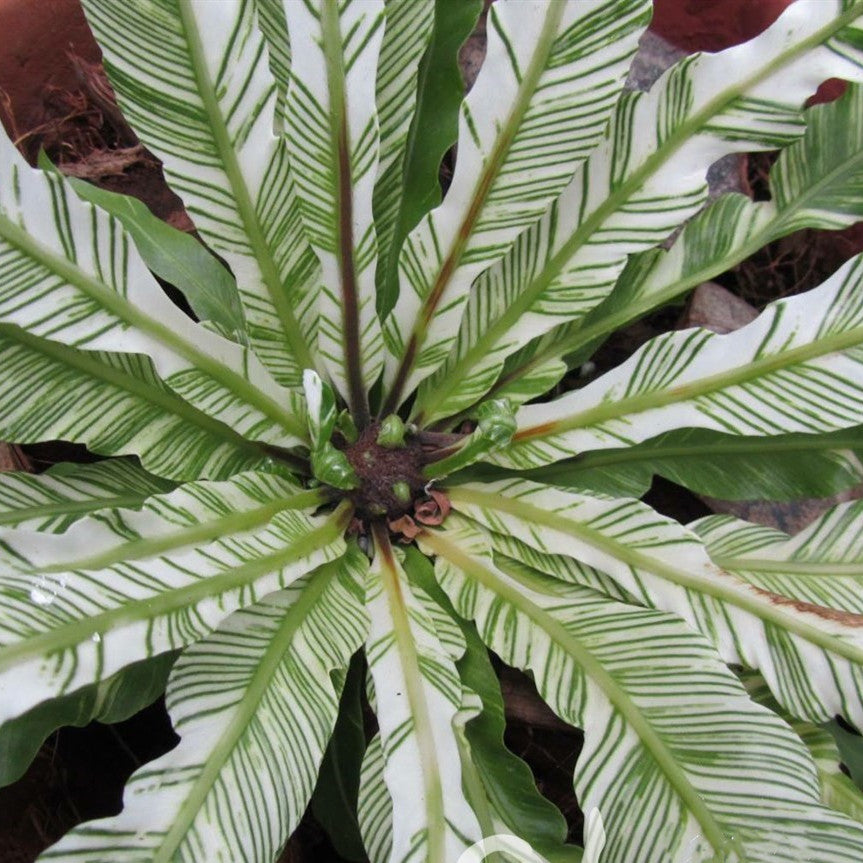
343	484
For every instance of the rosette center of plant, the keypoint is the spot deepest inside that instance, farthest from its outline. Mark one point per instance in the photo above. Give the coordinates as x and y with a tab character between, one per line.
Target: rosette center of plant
391	478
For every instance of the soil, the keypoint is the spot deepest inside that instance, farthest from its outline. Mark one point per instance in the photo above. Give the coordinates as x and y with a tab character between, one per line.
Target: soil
53	95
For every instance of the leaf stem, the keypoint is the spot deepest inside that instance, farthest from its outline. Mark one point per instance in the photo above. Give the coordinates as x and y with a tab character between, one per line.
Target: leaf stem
339	136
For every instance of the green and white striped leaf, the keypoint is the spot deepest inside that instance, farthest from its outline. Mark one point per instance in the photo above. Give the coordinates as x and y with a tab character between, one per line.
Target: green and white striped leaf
254	704
274	28
192	79
116	405
784	467
51	501
675	754
540	103
567	569
815	183
797	368
71	274
408	29
810	656
375	806
123	585
837	790
822	565
332	133
647	176
412	649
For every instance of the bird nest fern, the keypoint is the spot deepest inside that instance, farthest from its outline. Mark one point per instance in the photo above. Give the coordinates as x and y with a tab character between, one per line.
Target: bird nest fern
347	478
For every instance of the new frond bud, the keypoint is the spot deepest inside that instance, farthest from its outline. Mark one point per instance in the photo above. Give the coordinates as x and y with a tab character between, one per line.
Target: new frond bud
346	425
402	492
392	432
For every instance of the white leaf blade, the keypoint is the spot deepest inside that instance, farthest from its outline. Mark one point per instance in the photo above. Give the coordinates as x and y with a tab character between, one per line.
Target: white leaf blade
214	134
71	274
560	62
814	184
120	586
52	501
822	565
116	405
229	697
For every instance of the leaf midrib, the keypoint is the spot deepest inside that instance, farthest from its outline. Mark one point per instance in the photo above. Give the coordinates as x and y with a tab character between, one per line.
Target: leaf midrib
796	567
255	691
197	534
69	635
344	204
56	509
740	595
581	236
595	671
291	329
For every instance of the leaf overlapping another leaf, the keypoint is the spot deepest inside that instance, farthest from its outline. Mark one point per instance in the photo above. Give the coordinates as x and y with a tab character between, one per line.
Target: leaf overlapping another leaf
255	704
796	368
124	585
646	176
815	184
540	102
595	662
192	78
70	274
662	565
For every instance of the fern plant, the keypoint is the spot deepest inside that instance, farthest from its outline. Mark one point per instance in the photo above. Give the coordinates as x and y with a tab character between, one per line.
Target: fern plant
351	451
